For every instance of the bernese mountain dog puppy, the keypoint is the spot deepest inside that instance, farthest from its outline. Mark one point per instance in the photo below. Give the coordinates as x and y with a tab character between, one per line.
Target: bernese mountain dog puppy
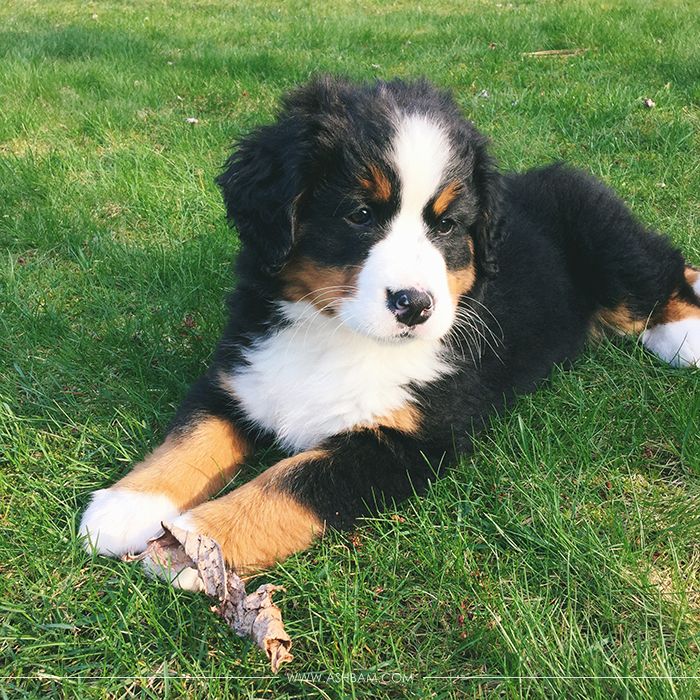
394	290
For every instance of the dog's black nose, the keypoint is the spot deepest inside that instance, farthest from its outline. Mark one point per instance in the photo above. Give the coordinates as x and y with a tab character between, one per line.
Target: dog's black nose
411	306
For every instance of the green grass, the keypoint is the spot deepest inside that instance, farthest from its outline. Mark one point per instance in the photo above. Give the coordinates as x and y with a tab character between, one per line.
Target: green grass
559	561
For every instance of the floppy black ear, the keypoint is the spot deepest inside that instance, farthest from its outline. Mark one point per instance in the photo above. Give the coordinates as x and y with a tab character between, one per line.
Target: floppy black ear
487	231
272	169
260	184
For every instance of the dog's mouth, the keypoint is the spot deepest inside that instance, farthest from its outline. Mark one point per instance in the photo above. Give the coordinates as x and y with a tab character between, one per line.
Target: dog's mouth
401	337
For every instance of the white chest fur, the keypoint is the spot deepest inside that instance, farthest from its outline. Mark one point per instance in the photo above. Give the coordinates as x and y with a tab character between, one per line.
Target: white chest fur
316	377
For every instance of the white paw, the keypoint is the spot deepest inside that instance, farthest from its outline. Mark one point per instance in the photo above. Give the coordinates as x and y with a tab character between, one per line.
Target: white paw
118	521
186	578
677	343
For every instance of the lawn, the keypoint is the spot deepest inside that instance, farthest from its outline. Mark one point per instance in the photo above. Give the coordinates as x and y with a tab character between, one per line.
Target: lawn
560	560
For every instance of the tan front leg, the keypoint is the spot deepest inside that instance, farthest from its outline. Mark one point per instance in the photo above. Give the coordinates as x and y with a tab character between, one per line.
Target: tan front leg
185	470
259	523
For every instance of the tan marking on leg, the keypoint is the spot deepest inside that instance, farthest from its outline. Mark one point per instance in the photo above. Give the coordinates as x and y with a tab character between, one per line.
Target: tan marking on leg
618	319
324	287
677	310
446	197
621	320
377	184
259	523
190	467
692	275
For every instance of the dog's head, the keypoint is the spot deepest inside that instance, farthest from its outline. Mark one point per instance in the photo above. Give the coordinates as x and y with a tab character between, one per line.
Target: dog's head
376	203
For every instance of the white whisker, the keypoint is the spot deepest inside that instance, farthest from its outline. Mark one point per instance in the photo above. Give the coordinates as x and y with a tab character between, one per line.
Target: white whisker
470	329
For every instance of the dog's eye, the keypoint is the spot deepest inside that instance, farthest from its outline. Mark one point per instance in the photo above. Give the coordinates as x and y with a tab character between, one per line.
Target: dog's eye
361	217
445	226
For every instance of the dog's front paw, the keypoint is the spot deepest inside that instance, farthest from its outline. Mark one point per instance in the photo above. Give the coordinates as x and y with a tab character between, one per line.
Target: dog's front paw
169	559
678	342
119	521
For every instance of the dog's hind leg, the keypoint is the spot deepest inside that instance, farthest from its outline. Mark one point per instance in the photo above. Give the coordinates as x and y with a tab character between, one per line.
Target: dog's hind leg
632	279
670	330
675	335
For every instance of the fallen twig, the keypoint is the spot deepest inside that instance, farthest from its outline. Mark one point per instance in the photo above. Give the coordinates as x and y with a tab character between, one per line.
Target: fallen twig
555	52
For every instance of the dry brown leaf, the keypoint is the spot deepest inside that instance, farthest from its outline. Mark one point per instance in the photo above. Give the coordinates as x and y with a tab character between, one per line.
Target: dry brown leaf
253	615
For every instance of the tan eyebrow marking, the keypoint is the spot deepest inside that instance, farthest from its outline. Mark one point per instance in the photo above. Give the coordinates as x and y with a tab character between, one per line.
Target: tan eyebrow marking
377	184
446	197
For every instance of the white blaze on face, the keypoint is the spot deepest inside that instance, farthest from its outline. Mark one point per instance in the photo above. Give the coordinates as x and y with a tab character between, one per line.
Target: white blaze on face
405	258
